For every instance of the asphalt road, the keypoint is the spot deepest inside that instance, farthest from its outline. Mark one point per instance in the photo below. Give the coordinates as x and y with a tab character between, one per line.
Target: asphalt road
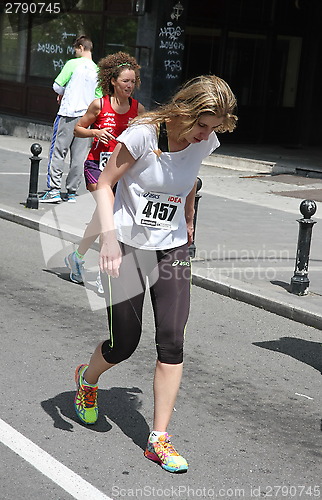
248	416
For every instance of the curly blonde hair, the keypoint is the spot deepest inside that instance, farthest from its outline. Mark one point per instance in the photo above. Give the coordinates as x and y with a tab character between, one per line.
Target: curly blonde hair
112	66
203	94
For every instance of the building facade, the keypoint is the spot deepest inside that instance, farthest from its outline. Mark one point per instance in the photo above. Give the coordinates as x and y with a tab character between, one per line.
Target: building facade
267	50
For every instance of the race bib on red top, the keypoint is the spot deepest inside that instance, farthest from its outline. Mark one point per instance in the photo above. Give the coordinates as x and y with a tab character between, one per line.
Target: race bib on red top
160	210
104	157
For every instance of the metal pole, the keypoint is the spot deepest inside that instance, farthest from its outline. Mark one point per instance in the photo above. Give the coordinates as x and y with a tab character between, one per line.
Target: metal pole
300	281
32	200
192	247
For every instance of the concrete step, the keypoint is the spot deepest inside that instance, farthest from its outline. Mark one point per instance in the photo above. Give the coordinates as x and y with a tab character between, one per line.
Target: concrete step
25	128
309	171
239	163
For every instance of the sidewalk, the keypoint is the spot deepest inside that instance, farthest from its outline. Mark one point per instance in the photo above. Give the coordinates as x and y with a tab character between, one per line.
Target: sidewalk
247	230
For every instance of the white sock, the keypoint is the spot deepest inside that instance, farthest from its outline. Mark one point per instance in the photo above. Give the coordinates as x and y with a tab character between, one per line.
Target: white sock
86	383
78	255
154	436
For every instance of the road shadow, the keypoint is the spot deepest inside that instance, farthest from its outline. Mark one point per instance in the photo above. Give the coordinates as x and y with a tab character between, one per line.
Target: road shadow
61	272
305	351
89	277
282	284
120	405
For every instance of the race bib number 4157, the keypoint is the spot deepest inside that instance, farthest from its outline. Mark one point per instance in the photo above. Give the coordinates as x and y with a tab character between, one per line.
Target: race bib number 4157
160	210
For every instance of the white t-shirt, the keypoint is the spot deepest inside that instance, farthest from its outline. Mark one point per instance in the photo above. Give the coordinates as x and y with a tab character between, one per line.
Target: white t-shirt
79	77
150	197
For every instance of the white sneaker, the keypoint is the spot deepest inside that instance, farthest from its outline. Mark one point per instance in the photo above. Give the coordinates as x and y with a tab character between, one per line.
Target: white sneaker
52	196
71	198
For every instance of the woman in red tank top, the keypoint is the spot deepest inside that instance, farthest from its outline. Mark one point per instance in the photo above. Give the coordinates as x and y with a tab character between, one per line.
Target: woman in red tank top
107	117
118	77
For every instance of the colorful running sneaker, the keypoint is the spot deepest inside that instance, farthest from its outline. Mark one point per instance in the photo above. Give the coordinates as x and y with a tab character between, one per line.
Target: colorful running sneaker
86	398
163	453
76	267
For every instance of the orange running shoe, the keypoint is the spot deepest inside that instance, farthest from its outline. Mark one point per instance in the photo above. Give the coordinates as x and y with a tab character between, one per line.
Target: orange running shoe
162	452
86	398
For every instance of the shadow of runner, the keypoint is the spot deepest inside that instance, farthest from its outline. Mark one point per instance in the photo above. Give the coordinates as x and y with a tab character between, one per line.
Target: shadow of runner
305	351
119	404
61	272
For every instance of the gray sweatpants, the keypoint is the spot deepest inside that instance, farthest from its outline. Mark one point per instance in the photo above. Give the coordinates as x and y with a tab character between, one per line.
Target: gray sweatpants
63	140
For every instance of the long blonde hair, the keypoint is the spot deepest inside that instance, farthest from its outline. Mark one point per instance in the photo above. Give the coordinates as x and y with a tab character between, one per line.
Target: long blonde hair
203	94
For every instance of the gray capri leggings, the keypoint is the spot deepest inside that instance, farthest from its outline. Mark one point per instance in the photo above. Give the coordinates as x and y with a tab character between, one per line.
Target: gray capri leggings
168	273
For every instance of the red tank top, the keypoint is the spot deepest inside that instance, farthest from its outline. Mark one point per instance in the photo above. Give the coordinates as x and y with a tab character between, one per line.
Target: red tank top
115	123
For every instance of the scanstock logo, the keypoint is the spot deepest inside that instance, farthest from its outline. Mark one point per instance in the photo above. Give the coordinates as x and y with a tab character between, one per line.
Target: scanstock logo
62	228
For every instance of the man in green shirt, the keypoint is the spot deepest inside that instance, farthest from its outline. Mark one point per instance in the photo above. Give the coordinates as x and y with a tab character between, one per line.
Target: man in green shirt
76	87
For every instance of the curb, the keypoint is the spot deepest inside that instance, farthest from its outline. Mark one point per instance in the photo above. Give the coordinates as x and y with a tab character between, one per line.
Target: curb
254	296
31	223
239	163
247	293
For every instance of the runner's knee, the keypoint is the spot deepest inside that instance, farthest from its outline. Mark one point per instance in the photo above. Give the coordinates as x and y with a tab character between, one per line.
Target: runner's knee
116	354
171	354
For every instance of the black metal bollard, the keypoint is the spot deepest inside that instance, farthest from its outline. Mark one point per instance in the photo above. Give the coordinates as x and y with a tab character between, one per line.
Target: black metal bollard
192	247
300	281
32	200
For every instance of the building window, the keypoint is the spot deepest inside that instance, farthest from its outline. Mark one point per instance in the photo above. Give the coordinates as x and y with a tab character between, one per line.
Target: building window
202	49
13	47
244	66
34	47
120	34
52	43
288	58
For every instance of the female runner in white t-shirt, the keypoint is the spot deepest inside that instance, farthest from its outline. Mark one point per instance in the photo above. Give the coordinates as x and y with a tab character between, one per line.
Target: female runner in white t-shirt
145	233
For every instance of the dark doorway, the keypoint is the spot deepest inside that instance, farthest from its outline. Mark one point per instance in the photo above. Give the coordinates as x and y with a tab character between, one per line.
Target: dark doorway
258	48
